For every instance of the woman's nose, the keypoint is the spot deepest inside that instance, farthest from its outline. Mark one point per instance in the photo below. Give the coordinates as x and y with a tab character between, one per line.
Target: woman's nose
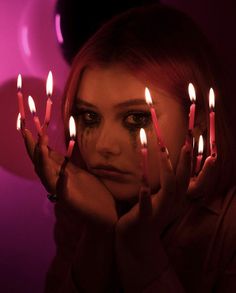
107	143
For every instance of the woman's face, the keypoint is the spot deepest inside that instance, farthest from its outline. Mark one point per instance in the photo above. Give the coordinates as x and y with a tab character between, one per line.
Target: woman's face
111	110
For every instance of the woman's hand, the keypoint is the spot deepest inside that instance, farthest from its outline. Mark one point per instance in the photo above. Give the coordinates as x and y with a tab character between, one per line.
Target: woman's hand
75	188
83	199
205	179
139	251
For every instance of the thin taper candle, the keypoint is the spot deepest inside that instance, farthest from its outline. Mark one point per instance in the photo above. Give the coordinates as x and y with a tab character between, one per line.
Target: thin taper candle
199	156
72	130
154	117
35	117
212	122
20	98
192	96
49	89
144	153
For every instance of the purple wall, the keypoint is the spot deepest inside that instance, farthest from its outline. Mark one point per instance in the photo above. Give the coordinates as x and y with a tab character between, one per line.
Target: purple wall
29	46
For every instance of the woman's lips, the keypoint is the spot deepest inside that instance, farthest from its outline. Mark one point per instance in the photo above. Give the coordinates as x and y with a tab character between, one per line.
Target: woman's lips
110	173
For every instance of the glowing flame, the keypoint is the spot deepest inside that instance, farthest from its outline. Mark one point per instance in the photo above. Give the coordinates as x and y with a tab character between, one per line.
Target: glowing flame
19	81
18	122
200	145
143	137
211	98
72	127
191	92
148	96
49	85
31	105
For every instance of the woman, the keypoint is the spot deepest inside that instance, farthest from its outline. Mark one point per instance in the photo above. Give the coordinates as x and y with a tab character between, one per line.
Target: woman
113	232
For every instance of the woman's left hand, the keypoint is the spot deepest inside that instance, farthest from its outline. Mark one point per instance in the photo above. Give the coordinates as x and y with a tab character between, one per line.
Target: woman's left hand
140	255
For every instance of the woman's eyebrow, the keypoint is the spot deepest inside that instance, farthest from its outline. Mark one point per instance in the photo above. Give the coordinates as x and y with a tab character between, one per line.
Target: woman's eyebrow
133	102
80	102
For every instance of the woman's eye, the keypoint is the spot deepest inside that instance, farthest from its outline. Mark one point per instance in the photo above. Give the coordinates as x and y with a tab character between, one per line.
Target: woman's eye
138	120
89	118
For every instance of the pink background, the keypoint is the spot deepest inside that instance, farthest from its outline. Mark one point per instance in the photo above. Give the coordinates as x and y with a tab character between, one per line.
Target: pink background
29	46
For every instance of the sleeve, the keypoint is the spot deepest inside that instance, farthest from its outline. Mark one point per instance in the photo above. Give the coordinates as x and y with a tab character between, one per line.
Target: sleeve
66	237
227	282
167	282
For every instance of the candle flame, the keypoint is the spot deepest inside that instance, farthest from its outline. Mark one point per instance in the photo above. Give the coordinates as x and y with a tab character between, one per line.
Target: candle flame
31	105
72	127
19	82
211	98
148	96
191	92
143	137
18	122
200	145
49	85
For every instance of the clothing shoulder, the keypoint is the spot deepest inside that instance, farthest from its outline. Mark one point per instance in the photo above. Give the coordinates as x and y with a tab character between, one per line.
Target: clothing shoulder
229	220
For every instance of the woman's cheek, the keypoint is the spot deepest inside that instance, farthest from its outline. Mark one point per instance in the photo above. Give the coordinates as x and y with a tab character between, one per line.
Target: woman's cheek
85	141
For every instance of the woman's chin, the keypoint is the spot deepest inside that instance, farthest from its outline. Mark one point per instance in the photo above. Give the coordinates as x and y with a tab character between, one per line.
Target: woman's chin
123	192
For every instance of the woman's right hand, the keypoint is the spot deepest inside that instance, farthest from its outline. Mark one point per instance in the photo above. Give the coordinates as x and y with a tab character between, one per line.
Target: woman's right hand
81	196
75	188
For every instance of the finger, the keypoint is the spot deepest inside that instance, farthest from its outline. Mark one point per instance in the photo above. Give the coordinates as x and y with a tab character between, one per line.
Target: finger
43	139
166	170
49	170
145	203
61	184
183	171
29	143
167	182
205	176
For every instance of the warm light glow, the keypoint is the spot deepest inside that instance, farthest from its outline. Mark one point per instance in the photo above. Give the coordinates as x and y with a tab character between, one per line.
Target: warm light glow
25	41
31	105
58	28
143	137
211	98
18	122
49	85
19	81
148	96
191	92
72	127
200	145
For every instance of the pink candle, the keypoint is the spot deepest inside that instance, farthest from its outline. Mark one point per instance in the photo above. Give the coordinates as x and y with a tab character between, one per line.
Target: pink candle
72	129
144	153
35	117
154	117
212	122
18	122
20	98
192	96
199	156
49	89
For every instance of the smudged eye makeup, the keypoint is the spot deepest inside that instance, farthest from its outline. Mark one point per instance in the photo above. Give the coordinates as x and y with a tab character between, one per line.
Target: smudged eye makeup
88	118
132	119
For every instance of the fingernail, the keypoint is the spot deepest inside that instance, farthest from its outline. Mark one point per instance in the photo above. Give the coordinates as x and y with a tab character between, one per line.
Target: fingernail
213	158
189	141
165	150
